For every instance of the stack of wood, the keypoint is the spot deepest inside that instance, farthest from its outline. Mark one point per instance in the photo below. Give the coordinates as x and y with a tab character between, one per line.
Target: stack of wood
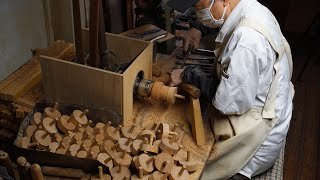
23	88
152	153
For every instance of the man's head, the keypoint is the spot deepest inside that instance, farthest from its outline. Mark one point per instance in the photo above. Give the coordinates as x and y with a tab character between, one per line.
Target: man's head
219	9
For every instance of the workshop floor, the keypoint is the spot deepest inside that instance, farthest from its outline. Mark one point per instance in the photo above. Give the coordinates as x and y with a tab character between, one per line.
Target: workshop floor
302	157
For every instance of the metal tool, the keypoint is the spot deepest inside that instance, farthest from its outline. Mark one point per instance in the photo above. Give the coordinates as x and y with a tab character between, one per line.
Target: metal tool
190	47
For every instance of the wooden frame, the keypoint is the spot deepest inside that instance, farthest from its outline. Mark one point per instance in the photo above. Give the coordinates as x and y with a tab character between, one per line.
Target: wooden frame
69	82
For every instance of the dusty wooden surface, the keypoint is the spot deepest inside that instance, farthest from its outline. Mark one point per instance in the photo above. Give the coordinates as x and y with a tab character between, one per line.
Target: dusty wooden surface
146	111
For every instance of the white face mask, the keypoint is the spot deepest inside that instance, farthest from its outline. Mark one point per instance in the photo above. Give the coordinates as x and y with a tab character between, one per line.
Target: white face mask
206	18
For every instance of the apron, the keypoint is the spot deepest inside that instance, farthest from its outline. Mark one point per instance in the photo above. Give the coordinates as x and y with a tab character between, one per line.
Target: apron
238	137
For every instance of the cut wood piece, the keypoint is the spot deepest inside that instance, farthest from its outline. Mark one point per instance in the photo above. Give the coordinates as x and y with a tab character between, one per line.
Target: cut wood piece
99	138
124	145
145	162
135	146
140	176
95	150
164	162
168	146
180	155
43	138
86	145
179	173
36	119
73	149
88	133
113	133
99	128
52	112
120	172
30	130
190	164
197	122
105	159
49	125
36	172
65	124
53	147
79	136
130	132
160	91
79	118
123	159
157	175
82	154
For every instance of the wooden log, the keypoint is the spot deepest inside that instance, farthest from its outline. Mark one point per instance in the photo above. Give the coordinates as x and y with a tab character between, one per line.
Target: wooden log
63	172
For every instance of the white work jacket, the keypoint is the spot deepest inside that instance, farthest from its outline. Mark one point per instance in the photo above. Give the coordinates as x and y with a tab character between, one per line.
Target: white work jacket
248	60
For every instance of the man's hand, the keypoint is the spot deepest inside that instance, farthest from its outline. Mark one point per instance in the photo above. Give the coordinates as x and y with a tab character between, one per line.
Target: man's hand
176	77
193	35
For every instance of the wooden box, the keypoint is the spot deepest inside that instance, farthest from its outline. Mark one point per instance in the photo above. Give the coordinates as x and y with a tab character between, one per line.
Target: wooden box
68	82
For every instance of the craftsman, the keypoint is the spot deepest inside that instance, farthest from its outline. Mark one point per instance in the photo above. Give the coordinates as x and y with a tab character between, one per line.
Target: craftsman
250	88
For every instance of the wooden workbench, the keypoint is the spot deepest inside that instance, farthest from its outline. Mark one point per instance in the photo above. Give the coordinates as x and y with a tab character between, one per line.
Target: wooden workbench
147	111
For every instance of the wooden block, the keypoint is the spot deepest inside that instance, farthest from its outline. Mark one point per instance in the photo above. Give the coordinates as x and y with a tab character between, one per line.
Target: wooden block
120	172
179	173
164	162
105	159
197	122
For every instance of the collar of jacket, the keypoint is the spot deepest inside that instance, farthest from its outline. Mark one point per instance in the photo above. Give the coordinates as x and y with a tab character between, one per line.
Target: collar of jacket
234	19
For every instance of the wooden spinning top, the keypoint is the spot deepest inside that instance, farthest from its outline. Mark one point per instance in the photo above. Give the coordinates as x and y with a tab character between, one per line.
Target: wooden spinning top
113	133
36	119
29	132
145	162
95	150
25	142
73	149
80	117
52	112
161	92
99	138
156	175
82	154
49	125
164	162
86	144
180	155
169	146
61	150
152	127
147	134
129	133
124	144
43	138
53	147
101	175
105	159
99	128
123	159
110	148
120	172
149	147
164	131
66	141
179	173
66	124
135	146
140	176
191	165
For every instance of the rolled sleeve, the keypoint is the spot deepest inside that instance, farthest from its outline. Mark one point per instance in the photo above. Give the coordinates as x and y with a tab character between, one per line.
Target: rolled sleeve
237	91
